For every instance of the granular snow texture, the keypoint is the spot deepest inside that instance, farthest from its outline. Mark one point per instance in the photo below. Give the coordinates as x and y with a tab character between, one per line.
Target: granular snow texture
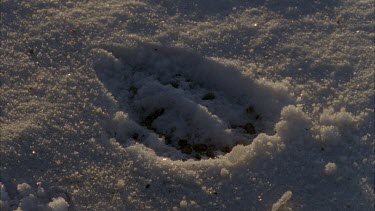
187	105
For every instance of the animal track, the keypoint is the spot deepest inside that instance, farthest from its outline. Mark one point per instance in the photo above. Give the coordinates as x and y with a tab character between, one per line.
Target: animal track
195	105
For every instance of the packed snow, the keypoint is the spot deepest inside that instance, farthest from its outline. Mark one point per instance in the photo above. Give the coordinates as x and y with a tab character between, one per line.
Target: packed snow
187	105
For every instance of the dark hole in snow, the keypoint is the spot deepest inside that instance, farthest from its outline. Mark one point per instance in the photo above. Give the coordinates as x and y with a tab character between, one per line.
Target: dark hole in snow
249	128
175	84
209	96
135	136
152	117
250	110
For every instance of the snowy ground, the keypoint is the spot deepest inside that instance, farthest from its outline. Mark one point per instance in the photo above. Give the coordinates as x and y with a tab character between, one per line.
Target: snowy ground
187	105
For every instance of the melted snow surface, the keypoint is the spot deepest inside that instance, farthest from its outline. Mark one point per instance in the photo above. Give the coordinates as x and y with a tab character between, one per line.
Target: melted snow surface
187	105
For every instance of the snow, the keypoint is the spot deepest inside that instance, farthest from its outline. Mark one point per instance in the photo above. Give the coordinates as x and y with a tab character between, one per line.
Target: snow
330	134
4	193
282	201
24	189
224	173
187	105
58	204
183	203
330	168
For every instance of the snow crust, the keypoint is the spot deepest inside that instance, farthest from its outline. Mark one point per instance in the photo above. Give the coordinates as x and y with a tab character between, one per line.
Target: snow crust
187	105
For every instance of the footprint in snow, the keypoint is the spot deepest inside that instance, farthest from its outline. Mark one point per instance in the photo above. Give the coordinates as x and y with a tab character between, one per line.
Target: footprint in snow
180	104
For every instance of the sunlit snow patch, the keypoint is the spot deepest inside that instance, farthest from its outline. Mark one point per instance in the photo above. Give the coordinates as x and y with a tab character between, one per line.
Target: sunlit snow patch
173	99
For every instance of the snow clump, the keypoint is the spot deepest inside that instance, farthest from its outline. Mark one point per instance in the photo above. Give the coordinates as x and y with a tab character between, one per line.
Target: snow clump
224	173
24	189
58	204
330	168
280	204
